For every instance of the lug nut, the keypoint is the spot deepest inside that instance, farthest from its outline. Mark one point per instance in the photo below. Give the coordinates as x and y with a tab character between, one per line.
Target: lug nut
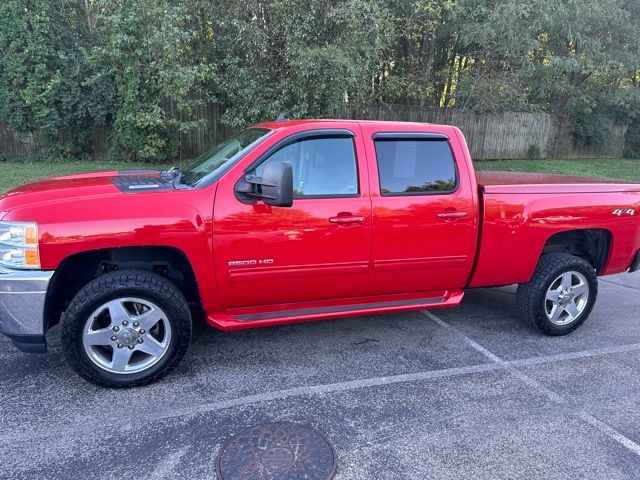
114	338
140	340
131	347
116	328
136	324
143	331
125	322
120	345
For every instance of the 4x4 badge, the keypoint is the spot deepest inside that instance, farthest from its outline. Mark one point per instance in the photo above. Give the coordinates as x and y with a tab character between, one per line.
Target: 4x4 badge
624	211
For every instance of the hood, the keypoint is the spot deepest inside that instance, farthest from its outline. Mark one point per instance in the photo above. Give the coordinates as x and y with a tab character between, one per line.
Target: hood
82	187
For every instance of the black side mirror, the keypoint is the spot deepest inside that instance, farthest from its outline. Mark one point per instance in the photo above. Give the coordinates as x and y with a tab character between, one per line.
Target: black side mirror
274	188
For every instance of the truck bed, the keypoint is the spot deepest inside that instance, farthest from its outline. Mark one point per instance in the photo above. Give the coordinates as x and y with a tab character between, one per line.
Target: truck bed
527	182
521	211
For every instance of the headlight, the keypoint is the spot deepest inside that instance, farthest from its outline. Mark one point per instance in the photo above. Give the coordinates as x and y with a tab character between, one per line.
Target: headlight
19	245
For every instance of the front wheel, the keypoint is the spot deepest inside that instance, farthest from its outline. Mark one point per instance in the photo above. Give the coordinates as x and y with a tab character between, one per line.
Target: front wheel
126	329
560	295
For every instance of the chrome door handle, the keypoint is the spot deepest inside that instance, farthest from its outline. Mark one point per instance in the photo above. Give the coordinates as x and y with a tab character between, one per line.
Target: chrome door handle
341	220
451	215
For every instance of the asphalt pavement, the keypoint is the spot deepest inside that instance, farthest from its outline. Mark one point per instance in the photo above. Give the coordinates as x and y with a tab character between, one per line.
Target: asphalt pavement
464	393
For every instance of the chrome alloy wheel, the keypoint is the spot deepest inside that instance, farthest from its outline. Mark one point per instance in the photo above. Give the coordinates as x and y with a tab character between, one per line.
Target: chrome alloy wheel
126	335
566	298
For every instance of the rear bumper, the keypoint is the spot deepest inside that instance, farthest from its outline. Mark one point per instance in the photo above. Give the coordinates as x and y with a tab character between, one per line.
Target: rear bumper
22	301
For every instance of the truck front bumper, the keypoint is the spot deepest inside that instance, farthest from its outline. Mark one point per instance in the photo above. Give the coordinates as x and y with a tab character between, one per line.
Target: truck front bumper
22	302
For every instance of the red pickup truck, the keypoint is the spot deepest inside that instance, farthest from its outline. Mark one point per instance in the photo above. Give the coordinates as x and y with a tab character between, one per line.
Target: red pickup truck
292	221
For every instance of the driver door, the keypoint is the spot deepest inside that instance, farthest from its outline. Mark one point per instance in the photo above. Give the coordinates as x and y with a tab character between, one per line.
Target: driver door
318	249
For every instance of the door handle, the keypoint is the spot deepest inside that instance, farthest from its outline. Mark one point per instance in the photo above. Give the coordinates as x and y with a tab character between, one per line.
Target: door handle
344	219
451	215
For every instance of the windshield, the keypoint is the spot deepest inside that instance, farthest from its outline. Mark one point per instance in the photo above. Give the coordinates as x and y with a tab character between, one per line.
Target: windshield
223	156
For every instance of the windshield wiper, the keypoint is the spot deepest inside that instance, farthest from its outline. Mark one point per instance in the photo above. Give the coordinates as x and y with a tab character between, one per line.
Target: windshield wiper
174	175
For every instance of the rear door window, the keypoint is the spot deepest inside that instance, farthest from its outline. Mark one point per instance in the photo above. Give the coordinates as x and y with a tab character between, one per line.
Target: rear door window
413	166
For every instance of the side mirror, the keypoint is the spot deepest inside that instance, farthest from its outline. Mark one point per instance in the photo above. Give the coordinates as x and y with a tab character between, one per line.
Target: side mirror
274	188
277	184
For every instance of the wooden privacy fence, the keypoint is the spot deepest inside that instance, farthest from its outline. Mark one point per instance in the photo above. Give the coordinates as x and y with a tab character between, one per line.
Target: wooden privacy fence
16	145
210	132
489	135
503	135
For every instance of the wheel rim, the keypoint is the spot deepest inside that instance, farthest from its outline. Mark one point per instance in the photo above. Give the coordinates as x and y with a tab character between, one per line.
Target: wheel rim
566	298
127	335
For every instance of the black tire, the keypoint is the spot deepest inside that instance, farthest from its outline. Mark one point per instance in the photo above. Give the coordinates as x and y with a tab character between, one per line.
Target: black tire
530	297
122	284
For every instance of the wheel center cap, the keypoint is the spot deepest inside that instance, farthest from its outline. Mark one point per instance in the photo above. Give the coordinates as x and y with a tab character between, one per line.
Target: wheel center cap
128	336
565	297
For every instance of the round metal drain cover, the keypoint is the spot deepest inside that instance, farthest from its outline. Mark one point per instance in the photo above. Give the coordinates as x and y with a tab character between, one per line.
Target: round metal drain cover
275	451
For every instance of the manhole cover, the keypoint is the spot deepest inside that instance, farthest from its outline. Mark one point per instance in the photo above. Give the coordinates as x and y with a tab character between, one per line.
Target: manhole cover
275	451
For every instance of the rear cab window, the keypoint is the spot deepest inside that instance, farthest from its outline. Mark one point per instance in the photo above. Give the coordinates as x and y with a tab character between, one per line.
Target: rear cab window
417	164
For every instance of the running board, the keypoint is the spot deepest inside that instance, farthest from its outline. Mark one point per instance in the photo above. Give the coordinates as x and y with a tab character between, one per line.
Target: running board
242	318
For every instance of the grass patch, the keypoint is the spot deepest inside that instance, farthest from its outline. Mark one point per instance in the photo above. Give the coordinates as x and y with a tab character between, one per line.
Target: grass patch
621	168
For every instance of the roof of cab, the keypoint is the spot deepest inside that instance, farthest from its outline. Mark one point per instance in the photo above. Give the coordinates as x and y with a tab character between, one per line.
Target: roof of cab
277	125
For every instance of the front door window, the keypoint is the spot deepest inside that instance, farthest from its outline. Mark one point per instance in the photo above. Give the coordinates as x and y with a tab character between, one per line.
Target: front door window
322	167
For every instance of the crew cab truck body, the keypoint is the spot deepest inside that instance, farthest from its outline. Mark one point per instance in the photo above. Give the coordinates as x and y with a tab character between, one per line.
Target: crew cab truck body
294	221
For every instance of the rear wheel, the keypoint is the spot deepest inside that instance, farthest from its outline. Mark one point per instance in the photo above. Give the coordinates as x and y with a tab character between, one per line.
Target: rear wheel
560	295
126	329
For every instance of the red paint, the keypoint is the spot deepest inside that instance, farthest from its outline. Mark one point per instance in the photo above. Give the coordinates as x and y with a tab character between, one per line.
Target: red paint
413	249
369	254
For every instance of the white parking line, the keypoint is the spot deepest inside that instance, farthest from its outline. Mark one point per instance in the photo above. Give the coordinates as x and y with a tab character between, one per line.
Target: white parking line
538	387
618	283
473	344
596	352
607	430
331	388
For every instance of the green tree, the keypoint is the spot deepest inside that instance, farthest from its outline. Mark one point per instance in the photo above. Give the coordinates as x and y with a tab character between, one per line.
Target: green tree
587	52
147	45
42	76
304	57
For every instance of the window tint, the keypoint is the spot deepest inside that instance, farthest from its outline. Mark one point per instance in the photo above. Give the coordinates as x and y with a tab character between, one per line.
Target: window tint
321	166
415	166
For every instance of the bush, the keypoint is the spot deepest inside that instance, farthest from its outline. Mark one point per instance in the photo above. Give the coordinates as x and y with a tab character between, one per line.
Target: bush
147	46
43	77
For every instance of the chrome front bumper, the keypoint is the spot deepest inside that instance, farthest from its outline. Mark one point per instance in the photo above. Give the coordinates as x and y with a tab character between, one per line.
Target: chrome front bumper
22	302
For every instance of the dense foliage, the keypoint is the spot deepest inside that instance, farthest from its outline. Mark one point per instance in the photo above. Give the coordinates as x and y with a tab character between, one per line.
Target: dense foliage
139	69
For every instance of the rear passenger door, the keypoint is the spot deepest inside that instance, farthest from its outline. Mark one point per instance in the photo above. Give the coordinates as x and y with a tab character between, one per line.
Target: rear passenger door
423	218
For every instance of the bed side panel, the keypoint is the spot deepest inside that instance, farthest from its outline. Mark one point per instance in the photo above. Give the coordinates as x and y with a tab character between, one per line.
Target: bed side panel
517	226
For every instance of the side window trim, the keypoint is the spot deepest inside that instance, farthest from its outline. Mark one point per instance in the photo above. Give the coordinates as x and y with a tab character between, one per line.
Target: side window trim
409	136
309	135
416	136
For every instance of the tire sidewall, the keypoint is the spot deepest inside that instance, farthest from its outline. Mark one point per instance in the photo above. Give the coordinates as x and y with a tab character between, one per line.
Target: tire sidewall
73	326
